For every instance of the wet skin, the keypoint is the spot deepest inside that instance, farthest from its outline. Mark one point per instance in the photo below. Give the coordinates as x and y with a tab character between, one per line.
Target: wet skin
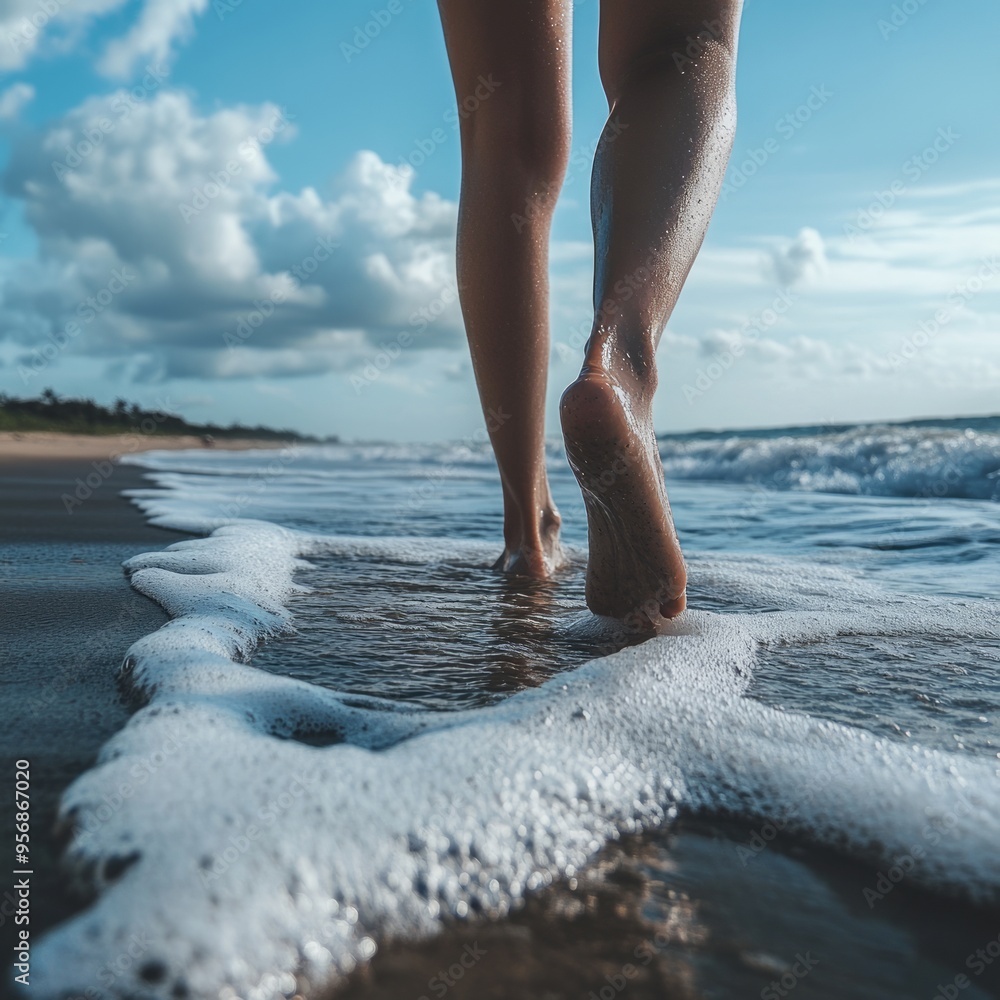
668	69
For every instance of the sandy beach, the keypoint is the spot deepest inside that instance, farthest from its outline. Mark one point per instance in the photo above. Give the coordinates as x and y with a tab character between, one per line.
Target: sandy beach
49	445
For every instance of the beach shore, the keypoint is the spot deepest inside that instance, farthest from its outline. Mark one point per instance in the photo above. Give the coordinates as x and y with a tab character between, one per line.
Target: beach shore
69	616
42	445
688	912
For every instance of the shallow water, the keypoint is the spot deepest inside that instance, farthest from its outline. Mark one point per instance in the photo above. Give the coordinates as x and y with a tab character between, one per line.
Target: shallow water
437	635
448	636
832	635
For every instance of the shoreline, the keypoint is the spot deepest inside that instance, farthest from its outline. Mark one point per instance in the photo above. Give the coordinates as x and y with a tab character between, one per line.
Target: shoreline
684	911
58	446
70	615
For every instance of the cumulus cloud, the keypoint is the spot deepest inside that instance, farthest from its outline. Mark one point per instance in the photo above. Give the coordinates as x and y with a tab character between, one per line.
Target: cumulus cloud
13	99
736	344
27	27
801	260
162	235
802	356
159	26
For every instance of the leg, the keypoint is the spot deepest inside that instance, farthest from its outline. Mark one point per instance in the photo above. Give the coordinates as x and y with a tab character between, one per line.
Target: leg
515	147
667	67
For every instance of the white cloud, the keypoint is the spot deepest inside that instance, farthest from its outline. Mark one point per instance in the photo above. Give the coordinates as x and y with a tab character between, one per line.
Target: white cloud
802	260
159	26
681	341
13	99
808	358
221	278
26	26
563	251
29	28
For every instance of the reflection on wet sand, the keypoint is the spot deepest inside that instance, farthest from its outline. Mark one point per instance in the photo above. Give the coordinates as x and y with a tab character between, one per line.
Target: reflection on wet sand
692	913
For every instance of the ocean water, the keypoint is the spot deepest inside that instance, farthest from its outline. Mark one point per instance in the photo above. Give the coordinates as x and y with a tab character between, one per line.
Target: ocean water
352	730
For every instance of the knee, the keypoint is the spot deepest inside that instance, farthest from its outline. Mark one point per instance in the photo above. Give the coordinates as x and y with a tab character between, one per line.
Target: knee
679	53
526	139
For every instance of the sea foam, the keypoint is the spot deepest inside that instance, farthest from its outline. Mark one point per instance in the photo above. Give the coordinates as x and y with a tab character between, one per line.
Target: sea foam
874	460
260	835
899	460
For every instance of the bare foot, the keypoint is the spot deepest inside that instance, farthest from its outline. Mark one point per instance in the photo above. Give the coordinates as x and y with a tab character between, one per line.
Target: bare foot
535	552
635	570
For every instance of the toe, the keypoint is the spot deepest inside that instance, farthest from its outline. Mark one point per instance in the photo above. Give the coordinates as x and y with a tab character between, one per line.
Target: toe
673	607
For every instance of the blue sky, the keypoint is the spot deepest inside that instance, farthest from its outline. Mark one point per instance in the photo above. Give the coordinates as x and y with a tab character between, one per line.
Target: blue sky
263	226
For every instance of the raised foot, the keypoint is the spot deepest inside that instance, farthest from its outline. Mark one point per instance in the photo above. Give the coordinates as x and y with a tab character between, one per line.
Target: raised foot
635	570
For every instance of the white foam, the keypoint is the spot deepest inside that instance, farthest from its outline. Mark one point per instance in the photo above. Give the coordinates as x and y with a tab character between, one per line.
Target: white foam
877	460
902	460
255	864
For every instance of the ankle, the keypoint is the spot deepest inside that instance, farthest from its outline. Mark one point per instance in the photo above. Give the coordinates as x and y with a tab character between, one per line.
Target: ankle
532	529
626	356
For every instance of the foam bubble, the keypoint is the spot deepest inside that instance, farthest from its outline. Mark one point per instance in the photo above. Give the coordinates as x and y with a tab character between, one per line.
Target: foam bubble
952	459
877	460
253	861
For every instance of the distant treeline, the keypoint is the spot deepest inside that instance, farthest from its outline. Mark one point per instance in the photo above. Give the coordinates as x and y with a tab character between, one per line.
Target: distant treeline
83	416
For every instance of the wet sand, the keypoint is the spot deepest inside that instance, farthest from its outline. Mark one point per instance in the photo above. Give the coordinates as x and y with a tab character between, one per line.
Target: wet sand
678	915
68	617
